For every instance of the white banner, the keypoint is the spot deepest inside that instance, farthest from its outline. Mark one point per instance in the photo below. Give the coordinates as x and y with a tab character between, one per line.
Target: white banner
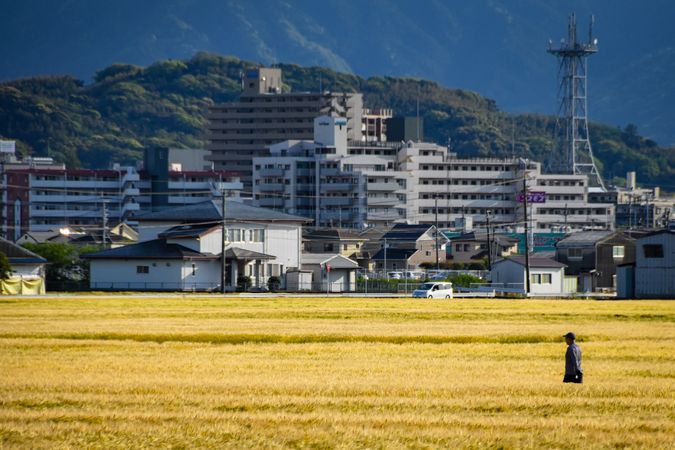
7	146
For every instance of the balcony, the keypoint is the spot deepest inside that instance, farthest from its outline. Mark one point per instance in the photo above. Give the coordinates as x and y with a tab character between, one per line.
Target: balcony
131	192
270	187
338	201
271	172
384	215
338	187
383	187
381	201
75	184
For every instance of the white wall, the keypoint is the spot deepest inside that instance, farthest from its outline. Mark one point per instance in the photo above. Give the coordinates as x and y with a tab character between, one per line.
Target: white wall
27	270
655	277
168	274
508	274
556	287
147	231
512	275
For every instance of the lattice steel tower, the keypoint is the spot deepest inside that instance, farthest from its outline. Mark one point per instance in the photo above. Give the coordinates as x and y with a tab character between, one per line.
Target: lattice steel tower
572	151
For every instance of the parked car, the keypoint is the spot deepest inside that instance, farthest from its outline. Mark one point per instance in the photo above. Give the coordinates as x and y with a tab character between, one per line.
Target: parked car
414	275
395	275
433	290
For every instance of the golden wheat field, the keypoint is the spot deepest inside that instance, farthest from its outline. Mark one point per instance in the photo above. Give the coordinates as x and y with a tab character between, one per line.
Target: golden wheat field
206	372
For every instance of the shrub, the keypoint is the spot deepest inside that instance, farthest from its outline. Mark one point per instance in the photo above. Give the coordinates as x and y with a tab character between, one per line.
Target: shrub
243	282
273	283
5	267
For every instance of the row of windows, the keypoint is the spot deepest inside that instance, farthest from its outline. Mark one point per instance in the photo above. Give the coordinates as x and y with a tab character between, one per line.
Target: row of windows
242	235
458	182
465	168
445	196
559	183
481	211
540	278
571	212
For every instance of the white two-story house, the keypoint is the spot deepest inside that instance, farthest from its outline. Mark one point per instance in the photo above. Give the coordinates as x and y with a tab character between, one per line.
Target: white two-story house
180	249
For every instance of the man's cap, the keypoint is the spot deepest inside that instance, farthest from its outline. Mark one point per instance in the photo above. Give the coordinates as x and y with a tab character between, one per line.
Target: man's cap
570	335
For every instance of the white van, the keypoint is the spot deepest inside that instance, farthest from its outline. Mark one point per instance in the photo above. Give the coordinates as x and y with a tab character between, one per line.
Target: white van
433	290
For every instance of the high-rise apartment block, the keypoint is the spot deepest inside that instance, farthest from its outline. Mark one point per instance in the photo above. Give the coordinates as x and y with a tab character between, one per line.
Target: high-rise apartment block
266	115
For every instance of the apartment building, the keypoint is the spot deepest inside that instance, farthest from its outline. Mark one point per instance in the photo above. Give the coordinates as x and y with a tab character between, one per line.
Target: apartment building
638	207
374	124
360	185
265	115
42	199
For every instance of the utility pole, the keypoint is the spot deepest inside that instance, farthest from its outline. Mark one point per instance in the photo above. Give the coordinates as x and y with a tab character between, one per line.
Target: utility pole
223	265
104	234
489	246
438	266
386	273
527	237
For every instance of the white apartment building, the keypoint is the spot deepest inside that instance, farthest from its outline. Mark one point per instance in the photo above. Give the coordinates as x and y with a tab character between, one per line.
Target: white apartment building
362	184
43	199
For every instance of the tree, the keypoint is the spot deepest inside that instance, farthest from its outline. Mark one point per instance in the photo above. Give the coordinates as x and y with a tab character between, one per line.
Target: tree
5	267
63	259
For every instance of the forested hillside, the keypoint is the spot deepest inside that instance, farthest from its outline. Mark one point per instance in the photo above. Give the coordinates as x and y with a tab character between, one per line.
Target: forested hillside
128	107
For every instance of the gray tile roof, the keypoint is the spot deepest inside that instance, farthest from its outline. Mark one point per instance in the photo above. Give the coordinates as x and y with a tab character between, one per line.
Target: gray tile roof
394	253
243	254
335	261
210	210
19	255
402	231
155	249
188	231
583	239
535	262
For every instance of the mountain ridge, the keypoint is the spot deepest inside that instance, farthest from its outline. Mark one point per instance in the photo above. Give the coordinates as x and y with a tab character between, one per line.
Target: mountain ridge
128	107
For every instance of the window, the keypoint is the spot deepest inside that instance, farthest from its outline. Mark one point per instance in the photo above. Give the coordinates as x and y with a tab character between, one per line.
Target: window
573	253
618	251
540	278
258	235
234	235
142	269
327	247
653	250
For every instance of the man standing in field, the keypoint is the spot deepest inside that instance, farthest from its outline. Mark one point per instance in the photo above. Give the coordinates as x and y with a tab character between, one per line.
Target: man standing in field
573	372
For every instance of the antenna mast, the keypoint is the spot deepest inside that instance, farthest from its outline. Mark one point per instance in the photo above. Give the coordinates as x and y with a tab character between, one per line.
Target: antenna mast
572	151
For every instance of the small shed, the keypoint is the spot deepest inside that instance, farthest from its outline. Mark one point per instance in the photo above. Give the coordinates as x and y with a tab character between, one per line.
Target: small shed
298	280
547	277
330	272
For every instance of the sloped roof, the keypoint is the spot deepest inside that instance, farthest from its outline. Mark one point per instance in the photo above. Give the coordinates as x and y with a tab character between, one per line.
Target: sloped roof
155	249
19	255
336	234
41	236
404	231
243	254
189	231
583	239
504	241
210	210
395	253
335	261
535	262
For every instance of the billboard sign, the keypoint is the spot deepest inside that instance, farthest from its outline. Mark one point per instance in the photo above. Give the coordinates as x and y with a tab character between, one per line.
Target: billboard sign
533	197
7	146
